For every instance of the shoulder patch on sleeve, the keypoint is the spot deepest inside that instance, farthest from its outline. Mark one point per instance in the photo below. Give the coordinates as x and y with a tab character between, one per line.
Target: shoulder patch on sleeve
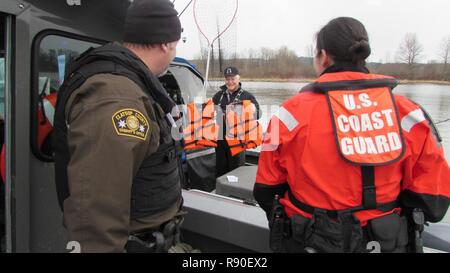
130	123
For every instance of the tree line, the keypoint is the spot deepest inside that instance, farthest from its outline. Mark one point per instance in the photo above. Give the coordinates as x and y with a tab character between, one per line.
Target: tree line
284	63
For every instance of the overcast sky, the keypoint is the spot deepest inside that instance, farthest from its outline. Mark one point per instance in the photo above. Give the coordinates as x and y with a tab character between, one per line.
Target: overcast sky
293	23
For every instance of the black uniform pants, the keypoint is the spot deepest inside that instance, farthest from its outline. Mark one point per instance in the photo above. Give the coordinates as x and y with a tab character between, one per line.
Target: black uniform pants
225	162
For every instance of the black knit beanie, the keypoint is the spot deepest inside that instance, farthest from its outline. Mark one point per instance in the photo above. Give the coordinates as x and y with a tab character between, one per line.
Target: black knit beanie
152	22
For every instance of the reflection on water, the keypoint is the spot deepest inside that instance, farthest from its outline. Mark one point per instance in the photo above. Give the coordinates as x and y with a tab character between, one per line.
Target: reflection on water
435	99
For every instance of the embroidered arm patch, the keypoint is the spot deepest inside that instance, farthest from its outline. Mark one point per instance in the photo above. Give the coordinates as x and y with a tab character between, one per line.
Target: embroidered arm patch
131	123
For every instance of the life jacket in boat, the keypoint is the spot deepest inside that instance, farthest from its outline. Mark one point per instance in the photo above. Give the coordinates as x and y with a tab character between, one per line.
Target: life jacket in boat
201	130
45	126
45	117
243	130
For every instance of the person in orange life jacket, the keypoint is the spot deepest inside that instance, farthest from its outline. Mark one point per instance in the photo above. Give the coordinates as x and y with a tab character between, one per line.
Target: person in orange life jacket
231	93
347	159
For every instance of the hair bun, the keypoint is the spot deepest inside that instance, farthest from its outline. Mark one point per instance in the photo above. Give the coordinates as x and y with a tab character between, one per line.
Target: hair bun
360	50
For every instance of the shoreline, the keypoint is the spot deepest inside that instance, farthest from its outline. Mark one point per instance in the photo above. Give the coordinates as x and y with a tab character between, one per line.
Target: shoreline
424	82
405	82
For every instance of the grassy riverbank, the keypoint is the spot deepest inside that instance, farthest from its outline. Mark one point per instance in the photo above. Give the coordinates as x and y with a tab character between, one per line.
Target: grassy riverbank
424	82
311	80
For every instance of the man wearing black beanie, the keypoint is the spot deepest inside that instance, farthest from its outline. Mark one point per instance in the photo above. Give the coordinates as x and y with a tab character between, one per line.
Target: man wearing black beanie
117	165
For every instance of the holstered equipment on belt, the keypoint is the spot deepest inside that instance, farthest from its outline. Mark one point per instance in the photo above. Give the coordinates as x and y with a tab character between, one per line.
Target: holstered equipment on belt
158	240
416	227
390	231
323	234
279	226
340	235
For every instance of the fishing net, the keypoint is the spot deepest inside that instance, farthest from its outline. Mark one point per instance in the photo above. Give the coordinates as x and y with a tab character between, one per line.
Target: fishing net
216	21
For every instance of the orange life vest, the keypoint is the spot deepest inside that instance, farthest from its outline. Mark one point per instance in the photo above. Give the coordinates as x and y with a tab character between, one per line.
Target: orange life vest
45	117
365	120
243	130
45	126
201	130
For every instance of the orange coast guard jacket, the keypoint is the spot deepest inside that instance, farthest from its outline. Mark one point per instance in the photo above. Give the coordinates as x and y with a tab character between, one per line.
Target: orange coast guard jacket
347	143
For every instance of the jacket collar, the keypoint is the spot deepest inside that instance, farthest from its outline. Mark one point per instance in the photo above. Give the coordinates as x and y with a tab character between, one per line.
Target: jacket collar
347	76
345	67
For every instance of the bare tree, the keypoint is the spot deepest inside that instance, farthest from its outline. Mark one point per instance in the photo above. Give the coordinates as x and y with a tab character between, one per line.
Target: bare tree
267	53
444	50
387	57
309	50
410	49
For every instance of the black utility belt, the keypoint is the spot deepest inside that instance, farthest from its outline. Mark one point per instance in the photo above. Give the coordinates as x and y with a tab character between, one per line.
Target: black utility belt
343	234
385	207
156	240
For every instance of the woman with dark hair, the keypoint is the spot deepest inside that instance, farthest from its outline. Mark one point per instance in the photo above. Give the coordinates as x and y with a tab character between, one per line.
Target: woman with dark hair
345	163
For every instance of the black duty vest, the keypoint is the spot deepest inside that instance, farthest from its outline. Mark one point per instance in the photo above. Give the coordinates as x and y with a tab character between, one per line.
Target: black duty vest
157	184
